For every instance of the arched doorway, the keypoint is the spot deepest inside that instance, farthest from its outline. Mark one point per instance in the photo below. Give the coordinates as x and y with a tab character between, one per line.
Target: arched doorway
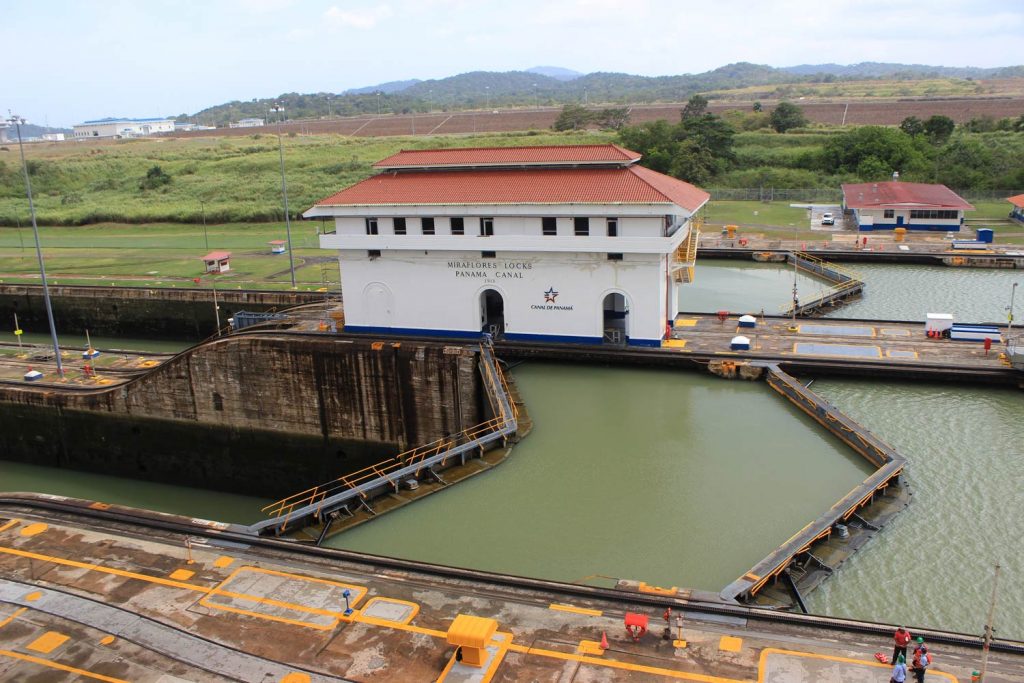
492	312
616	314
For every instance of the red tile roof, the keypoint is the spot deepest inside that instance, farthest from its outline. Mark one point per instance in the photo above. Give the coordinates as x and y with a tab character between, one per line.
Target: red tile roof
900	194
630	185
509	156
1016	200
217	255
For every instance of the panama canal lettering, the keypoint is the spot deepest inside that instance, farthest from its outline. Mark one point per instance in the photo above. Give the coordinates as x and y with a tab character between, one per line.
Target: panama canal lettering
490	269
549	302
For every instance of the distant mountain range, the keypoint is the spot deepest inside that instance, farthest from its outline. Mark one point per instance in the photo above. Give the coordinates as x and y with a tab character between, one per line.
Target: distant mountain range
555	86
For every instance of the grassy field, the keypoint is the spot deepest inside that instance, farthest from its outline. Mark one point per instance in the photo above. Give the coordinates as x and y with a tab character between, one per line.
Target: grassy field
931	87
237	178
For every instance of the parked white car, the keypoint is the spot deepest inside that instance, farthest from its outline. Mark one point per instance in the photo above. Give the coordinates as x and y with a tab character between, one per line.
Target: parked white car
828	219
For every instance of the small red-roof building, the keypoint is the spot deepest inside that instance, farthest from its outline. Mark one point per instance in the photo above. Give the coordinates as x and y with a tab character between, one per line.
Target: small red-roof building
896	204
569	243
218	261
1017	212
278	246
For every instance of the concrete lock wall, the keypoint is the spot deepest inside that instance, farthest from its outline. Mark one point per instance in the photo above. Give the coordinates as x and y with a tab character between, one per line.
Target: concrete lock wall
256	414
129	311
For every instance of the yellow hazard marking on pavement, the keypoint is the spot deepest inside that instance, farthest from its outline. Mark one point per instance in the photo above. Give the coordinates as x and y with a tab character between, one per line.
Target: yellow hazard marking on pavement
107	640
590	647
674	344
33	529
575	610
17	613
61	667
765	653
223	561
182	574
625	666
395	601
730	644
295	677
688	322
9	523
33	596
47	643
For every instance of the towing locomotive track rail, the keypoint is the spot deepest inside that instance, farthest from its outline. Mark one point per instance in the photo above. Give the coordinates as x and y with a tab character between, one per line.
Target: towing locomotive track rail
71	508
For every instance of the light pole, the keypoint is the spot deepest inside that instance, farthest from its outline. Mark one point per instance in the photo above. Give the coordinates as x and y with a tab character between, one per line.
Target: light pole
487	97
1009	316
17	121
284	193
536	97
378	103
206	237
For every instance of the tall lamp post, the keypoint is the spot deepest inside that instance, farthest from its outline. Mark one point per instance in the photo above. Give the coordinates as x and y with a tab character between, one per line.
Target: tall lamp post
206	236
1009	315
16	121
284	193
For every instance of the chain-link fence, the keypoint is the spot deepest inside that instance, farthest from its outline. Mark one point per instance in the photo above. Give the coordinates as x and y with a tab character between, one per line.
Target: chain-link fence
825	195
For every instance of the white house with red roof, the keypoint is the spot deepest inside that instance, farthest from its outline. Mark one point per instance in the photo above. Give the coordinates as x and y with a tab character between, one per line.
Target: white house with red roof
1017	212
895	204
561	243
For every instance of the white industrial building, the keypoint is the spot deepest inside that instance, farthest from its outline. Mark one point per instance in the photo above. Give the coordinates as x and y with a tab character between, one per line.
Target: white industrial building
566	243
246	123
122	128
913	206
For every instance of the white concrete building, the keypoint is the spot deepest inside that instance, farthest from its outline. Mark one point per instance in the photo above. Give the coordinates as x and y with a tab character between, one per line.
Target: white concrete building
577	244
53	137
246	123
122	128
895	204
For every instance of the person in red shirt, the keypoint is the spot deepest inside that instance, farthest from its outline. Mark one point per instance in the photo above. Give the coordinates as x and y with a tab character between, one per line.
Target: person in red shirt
902	639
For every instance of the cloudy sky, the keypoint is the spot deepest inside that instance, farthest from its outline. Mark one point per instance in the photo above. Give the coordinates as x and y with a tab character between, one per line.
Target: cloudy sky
67	61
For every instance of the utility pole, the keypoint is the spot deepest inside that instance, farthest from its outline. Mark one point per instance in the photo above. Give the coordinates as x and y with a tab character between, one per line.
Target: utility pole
206	237
284	193
988	625
1009	316
17	121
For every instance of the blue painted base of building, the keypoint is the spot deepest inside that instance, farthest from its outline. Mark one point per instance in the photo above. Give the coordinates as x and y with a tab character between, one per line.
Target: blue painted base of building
511	336
912	227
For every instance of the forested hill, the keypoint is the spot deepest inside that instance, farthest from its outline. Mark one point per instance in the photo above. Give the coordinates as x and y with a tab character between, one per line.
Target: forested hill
480	89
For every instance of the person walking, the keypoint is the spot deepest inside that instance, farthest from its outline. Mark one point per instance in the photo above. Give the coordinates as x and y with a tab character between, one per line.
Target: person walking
902	639
922	660
899	670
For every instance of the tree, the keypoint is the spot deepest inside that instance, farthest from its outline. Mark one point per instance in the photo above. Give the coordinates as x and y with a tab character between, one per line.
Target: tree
912	126
656	140
711	133
696	107
757	106
890	149
573	117
155	177
787	116
613	118
938	128
696	149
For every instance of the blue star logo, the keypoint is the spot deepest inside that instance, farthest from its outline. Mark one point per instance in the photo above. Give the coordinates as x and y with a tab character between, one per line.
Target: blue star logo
549	296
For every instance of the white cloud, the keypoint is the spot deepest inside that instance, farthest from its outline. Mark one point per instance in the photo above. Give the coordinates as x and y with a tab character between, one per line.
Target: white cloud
358	18
263	6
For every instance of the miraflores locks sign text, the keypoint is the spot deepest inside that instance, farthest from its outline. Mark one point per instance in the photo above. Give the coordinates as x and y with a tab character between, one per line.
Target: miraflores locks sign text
496	270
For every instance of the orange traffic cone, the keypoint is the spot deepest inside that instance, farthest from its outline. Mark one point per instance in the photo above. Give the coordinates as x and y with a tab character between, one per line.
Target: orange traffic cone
604	640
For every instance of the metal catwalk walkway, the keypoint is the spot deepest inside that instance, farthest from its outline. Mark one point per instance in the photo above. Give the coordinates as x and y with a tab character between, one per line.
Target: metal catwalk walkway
318	504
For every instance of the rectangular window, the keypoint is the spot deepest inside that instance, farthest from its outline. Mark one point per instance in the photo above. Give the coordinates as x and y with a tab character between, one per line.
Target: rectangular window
549	227
428	225
581	226
487	227
614	257
889	213
371	226
613	227
488	254
399	226
458	226
373	253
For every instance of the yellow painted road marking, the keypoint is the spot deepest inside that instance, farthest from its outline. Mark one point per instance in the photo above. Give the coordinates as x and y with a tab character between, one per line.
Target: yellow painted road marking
47	643
394	601
223	561
17	613
834	658
730	644
295	677
9	524
688	322
60	667
106	640
33	596
590	647
674	344
33	529
182	574
625	666
575	610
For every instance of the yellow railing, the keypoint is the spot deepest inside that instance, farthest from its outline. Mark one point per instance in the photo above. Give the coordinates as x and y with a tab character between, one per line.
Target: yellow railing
383	470
843	270
686	256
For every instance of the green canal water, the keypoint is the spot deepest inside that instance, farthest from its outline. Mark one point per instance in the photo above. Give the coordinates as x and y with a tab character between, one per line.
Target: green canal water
77	341
682	479
892	292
